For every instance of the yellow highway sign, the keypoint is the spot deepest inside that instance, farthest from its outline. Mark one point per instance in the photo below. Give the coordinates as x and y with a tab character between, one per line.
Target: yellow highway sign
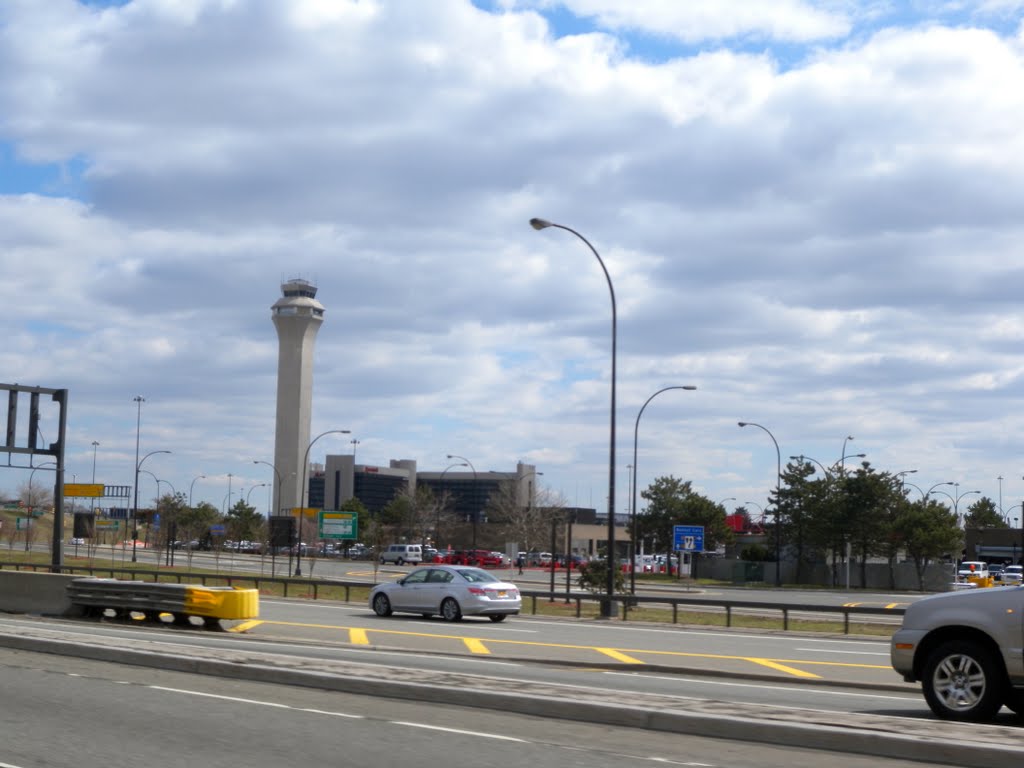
89	490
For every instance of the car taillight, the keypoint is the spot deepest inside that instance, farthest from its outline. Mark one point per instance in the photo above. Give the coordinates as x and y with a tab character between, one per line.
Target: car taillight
477	591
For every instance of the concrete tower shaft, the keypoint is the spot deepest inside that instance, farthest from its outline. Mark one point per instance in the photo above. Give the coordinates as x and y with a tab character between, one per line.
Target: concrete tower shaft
297	316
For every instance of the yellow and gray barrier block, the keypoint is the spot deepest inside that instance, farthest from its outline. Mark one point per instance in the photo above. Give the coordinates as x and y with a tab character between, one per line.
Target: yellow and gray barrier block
95	597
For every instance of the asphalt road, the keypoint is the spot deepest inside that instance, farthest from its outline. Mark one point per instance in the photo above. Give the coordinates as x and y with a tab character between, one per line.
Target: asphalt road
71	712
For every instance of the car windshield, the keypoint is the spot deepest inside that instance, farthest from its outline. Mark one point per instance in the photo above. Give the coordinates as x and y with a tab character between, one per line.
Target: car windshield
476	575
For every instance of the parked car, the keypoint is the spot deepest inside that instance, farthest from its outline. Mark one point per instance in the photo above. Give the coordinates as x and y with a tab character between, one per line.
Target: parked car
453	591
1013	574
995	570
538	558
400	554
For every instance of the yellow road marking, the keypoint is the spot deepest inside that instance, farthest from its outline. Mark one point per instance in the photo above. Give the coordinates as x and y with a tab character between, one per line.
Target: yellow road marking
779	664
783	668
618	656
245	626
358	636
475	646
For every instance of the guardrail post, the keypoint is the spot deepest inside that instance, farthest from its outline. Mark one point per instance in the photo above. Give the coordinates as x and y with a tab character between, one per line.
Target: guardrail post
728	616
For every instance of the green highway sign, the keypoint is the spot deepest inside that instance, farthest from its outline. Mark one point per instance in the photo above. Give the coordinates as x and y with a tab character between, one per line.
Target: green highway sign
338	525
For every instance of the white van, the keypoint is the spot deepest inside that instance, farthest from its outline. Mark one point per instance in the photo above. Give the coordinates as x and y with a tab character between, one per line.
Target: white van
400	554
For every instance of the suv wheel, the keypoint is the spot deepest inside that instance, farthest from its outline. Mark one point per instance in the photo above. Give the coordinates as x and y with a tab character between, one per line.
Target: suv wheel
962	681
399	561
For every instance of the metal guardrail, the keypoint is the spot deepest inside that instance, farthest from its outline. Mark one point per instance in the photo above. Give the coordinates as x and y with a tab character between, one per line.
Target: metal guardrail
625	602
152	599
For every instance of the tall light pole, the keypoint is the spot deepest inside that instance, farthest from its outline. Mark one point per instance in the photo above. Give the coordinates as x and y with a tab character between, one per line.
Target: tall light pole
1000	479
778	491
632	513
476	512
608	604
277	497
92	502
304	493
138	400
355	444
135	507
437	517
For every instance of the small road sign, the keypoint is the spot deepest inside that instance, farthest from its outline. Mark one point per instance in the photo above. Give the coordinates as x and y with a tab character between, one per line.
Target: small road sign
688	538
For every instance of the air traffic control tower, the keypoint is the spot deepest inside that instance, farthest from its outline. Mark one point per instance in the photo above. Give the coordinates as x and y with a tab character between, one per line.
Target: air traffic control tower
297	317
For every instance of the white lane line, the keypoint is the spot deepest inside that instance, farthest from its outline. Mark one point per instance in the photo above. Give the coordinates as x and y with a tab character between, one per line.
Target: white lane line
848	653
481	734
257	702
762	686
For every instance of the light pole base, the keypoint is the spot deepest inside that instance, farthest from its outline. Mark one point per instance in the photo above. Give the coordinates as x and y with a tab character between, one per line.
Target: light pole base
609	607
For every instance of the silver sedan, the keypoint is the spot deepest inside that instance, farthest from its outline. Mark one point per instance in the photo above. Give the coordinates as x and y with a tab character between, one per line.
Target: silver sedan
453	591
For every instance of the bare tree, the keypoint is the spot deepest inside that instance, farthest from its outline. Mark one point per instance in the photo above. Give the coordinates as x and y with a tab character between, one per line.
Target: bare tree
525	524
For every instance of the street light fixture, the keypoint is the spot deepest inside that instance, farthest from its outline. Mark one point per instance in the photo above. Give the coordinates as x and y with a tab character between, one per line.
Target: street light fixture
475	512
607	605
632	506
249	492
135	506
929	491
778	491
759	509
304	496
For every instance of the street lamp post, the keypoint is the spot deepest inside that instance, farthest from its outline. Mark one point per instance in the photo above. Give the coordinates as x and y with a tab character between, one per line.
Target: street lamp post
632	507
249	492
607	605
956	502
135	506
778	490
304	495
437	517
759	509
929	491
191	486
842	460
902	476
138	400
92	503
475	512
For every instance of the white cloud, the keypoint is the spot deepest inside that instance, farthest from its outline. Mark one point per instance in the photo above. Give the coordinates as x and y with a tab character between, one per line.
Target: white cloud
826	248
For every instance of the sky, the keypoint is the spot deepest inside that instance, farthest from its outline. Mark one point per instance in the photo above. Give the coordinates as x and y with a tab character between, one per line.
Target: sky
809	211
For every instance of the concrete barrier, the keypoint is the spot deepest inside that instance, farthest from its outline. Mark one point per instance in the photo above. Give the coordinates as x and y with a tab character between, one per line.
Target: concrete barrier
37	593
152	599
